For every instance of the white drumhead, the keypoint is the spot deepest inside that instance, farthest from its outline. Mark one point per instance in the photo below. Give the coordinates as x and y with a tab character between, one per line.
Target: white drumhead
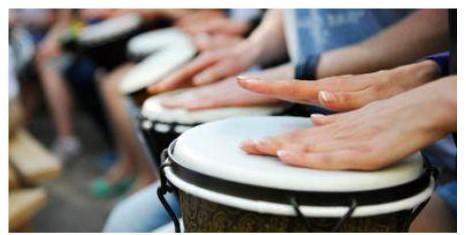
213	149
152	109
109	28
157	66
147	43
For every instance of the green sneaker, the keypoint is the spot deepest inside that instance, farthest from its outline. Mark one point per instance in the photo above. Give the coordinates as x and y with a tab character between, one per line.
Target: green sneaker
101	188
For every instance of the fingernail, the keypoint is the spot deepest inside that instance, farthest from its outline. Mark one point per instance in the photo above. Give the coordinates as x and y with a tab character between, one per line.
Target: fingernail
282	153
259	142
246	145
326	96
242	78
317	115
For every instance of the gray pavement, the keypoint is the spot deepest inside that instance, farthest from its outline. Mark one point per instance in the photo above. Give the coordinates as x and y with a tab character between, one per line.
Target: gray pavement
70	208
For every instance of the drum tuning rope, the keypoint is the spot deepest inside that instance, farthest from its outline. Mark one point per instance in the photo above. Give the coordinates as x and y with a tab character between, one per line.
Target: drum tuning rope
337	227
300	215
348	214
166	187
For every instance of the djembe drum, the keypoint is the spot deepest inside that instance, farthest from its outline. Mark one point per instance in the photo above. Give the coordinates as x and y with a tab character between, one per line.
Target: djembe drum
222	189
105	42
162	125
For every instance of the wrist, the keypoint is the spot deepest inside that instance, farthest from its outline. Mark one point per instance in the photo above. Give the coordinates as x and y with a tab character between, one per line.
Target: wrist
251	49
426	70
342	61
414	75
441	105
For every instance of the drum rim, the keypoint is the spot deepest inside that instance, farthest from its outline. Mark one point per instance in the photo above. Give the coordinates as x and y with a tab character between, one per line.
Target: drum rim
113	36
305	197
269	110
135	51
259	206
128	88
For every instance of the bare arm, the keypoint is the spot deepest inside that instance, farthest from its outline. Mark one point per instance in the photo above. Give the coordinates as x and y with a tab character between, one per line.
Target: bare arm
421	33
267	42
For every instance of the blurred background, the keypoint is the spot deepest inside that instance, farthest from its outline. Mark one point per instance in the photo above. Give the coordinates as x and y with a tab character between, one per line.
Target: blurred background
74	153
64	172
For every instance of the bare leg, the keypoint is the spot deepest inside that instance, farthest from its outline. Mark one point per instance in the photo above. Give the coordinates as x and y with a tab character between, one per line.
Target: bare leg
59	101
131	156
436	217
58	98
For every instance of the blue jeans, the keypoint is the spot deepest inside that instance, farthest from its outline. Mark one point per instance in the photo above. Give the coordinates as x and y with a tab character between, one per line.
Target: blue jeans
141	212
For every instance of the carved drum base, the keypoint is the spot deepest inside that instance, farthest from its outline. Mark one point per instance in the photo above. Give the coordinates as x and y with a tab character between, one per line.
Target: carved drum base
200	215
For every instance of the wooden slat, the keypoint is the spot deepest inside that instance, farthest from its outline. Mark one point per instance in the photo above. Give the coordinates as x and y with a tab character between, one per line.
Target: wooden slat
13	181
23	205
33	161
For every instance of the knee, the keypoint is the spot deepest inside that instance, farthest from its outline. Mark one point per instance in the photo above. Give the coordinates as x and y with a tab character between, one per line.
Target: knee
117	219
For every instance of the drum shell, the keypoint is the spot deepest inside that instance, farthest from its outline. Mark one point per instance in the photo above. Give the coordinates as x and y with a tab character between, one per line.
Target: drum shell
109	54
200	215
157	141
139	97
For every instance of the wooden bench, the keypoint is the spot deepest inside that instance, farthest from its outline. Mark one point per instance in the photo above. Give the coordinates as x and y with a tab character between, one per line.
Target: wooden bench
33	162
13	181
23	205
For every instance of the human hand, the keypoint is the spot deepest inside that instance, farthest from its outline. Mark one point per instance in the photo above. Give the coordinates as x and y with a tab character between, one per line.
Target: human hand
208	67
207	42
371	137
346	92
225	93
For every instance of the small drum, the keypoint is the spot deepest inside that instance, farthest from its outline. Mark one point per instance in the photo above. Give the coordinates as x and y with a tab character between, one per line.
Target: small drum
222	189
161	125
105	42
141	46
154	68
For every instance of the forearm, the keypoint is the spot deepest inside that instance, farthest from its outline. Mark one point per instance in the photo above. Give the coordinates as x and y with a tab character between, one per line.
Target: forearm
267	42
437	103
422	33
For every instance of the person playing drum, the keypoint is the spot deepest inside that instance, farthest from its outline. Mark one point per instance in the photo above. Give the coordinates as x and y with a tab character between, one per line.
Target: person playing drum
338	55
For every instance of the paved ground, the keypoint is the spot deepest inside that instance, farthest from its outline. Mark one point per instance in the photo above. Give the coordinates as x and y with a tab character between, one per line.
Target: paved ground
70	208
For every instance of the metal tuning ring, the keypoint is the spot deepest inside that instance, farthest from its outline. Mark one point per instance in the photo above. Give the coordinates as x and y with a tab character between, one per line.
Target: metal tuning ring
165	186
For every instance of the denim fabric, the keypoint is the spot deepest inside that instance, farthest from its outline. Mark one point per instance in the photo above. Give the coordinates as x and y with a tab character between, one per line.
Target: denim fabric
141	212
448	193
319	30
442	155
